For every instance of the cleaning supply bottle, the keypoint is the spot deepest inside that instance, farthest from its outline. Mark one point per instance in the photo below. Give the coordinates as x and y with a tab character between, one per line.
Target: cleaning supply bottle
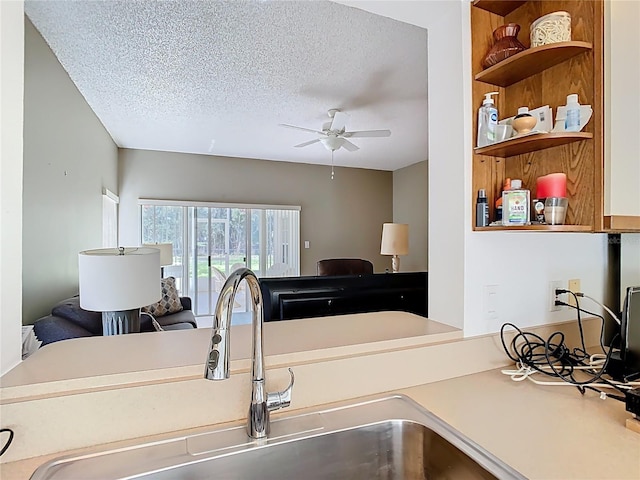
572	120
482	209
516	205
487	121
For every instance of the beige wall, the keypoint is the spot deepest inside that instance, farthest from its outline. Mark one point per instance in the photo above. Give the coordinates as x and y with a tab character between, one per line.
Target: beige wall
411	205
342	217
68	158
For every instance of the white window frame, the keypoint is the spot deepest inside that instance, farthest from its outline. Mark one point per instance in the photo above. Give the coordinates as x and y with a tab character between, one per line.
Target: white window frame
110	202
187	281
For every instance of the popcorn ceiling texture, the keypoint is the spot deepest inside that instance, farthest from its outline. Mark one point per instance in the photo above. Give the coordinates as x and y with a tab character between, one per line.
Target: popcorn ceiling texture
175	75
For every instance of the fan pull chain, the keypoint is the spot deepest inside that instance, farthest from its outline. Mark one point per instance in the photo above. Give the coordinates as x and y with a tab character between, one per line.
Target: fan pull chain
332	172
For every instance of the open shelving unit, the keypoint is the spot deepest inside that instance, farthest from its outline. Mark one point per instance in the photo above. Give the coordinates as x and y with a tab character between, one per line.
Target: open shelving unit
531	143
531	61
538	228
499	7
539	76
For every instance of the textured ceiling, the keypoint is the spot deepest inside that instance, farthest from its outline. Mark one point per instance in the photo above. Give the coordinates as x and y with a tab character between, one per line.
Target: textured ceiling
216	78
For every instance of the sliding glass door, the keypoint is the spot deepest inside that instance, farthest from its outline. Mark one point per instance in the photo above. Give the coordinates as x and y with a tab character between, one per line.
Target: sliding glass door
219	247
219	239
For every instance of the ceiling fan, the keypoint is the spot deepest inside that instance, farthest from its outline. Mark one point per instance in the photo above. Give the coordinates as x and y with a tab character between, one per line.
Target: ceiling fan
334	135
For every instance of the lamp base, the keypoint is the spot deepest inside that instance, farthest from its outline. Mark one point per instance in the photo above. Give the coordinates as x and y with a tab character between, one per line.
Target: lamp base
395	264
121	322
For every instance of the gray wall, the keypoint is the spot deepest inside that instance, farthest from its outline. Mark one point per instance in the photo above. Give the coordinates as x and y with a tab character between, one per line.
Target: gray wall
68	158
411	205
342	217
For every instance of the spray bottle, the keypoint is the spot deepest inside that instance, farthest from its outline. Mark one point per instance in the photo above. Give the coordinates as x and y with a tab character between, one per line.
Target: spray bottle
487	121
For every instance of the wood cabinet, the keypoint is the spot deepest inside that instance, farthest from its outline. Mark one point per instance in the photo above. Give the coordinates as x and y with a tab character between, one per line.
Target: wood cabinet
536	77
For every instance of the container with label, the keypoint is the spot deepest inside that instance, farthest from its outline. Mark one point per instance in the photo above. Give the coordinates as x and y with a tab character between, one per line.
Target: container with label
572	119
516	205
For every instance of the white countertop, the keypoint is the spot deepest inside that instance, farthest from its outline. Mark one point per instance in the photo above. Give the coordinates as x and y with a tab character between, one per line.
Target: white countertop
543	432
307	339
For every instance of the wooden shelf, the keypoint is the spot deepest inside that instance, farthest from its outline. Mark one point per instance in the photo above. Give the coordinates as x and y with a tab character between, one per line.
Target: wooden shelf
531	61
499	7
537	228
531	143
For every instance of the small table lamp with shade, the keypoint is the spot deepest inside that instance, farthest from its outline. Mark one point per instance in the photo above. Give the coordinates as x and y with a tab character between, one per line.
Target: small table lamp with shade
395	241
118	282
166	254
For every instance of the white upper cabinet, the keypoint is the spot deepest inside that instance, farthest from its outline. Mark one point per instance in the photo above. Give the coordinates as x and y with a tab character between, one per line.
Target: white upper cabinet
622	115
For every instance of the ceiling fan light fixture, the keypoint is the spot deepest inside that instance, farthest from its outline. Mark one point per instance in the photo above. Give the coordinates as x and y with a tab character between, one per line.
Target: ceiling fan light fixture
332	143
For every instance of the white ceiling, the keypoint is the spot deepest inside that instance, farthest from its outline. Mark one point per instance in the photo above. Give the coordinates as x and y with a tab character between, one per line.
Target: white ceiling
217	77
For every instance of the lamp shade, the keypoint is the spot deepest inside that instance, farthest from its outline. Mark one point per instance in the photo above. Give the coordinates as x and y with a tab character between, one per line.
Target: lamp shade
113	279
395	239
166	252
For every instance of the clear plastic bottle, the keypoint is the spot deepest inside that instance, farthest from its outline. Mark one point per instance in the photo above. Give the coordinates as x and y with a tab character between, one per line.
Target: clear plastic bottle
572	120
487	121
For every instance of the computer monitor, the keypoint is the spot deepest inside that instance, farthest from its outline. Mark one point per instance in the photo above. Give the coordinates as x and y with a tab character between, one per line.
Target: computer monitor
630	333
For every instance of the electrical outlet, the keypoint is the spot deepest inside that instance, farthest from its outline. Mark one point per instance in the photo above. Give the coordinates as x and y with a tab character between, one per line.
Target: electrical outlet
574	286
553	286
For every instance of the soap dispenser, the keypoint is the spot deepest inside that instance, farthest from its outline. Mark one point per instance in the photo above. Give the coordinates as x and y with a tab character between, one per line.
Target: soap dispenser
487	121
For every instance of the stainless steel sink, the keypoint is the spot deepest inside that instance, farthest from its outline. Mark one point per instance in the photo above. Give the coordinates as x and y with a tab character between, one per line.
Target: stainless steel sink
386	438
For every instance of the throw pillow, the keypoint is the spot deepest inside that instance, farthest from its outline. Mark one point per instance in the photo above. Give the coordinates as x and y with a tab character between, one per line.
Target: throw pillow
170	301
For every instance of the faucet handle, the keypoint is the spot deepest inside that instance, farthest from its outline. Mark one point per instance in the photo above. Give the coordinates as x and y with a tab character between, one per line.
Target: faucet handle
281	399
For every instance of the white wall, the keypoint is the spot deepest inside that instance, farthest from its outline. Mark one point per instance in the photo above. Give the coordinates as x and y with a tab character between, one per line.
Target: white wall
410	205
462	262
11	95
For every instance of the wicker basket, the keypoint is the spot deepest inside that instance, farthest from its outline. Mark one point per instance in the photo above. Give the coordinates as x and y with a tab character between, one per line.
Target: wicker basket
552	28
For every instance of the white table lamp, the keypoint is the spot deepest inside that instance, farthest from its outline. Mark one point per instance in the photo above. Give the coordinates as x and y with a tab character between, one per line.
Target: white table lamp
118	282
395	241
166	254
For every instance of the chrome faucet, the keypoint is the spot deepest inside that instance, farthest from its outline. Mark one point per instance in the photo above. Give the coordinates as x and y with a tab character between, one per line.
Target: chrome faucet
217	364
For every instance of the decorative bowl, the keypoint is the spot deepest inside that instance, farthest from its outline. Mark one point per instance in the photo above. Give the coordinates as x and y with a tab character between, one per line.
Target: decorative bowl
551	28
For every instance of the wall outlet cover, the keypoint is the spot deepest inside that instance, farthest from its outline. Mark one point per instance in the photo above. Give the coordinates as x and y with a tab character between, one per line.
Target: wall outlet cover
552	297
574	286
491	302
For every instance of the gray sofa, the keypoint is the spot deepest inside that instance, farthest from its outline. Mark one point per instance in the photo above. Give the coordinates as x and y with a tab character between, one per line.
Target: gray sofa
68	320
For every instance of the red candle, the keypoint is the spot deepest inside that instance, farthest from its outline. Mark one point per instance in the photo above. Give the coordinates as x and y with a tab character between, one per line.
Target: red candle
552	185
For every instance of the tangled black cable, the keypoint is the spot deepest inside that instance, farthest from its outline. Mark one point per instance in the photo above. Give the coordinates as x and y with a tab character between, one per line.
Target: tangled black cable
9	440
533	351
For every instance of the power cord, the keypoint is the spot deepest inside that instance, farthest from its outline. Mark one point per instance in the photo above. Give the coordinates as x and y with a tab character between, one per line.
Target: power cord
552	357
8	442
607	309
559	302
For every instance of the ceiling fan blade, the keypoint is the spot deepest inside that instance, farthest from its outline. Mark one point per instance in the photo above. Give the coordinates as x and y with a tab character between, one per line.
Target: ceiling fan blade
339	122
307	143
301	128
349	146
367	133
